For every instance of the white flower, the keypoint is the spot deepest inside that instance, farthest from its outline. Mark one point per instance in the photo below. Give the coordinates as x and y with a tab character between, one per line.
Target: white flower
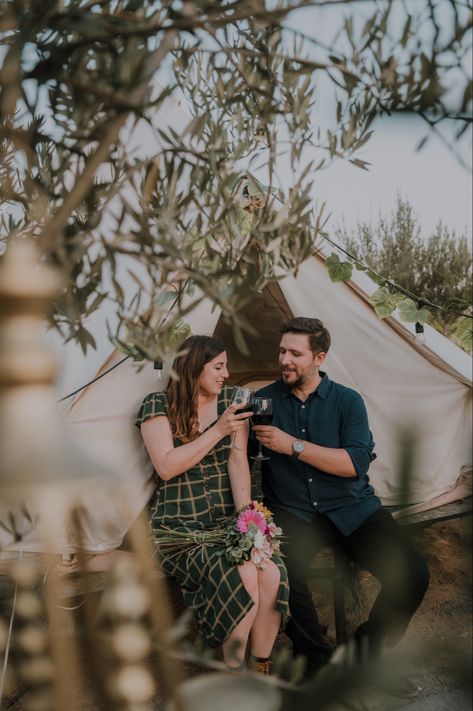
259	557
274	530
260	541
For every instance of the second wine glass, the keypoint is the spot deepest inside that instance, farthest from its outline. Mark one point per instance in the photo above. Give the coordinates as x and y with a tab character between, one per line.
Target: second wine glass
262	415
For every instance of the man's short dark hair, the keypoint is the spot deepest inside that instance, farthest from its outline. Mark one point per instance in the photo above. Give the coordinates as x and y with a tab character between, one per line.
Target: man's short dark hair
319	337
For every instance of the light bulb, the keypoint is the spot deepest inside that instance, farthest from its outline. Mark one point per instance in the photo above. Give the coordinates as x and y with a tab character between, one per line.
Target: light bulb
420	335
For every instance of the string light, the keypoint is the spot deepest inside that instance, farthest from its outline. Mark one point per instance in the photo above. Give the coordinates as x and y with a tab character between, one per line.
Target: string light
420	335
158	369
392	284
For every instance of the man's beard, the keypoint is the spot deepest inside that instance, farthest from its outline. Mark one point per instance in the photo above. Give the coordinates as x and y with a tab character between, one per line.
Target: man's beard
297	382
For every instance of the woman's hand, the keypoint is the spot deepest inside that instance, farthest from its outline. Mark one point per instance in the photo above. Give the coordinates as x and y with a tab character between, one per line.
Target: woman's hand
231	421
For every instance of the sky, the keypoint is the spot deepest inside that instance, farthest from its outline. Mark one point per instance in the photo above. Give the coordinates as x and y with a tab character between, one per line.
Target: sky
433	180
436	185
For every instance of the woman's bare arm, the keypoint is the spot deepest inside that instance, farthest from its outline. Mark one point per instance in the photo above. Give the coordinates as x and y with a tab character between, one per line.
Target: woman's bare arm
170	461
239	470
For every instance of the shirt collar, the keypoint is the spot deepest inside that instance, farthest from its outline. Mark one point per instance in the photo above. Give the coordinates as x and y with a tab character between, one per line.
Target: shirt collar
324	386
322	389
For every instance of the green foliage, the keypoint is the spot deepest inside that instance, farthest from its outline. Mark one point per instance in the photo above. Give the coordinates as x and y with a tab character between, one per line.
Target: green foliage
409	312
437	269
463	333
338	271
78	78
385	301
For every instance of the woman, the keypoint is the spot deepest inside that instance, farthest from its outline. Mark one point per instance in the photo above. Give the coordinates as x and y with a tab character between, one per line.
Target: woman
187	431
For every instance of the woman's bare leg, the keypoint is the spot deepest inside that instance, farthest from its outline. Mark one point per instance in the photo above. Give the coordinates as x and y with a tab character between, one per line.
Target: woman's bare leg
267	621
235	646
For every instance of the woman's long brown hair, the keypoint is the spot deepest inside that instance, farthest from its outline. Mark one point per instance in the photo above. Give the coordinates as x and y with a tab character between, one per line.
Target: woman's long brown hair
182	393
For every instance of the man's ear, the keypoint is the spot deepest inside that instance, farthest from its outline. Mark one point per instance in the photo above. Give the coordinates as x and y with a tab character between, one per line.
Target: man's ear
319	359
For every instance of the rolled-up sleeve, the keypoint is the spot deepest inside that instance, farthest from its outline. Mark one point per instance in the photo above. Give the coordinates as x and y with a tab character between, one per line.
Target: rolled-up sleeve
356	437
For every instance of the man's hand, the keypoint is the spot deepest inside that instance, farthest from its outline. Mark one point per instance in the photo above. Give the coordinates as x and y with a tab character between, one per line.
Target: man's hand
274	438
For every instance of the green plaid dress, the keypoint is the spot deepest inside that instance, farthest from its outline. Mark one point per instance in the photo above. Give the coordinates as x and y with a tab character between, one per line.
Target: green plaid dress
195	501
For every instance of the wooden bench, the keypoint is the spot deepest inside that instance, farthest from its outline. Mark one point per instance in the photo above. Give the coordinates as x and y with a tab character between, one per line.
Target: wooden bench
332	565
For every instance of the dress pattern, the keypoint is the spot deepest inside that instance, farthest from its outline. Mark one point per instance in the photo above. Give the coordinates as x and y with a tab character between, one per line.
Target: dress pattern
195	501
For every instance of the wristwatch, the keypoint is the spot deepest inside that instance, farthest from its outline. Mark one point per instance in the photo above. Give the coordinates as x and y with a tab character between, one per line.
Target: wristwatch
298	447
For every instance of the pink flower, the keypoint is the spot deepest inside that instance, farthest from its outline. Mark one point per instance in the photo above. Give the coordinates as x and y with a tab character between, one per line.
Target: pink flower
248	517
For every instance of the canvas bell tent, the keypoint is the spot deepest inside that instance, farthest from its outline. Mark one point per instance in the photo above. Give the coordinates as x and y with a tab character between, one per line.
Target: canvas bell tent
424	388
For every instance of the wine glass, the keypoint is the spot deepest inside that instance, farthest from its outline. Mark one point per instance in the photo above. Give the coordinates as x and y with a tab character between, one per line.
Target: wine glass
262	415
244	397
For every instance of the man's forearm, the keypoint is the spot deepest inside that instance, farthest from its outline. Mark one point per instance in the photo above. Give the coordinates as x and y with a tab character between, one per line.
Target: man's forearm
332	461
328	459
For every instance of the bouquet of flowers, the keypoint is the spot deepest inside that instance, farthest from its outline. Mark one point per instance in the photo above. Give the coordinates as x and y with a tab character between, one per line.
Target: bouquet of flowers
252	535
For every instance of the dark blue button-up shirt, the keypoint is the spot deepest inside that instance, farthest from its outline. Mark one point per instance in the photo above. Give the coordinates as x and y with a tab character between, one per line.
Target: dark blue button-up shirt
332	416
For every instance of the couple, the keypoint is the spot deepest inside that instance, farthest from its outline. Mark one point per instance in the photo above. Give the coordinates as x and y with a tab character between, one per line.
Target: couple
315	483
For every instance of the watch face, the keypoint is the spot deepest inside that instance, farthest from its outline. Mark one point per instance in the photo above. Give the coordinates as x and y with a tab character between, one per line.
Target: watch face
298	446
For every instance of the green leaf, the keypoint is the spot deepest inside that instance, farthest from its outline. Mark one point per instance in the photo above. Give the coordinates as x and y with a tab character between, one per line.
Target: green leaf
165	297
96	303
178	334
196	126
363	164
382	302
337	270
409	312
463	333
384	310
190	288
406	32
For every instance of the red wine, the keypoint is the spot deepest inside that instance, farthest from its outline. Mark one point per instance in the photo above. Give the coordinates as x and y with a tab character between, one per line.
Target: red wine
262	418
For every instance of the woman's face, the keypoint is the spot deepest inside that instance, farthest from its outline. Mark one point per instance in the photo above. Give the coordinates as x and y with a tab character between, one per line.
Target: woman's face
214	375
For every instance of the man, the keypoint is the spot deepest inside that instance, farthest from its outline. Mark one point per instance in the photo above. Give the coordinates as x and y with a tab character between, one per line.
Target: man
315	482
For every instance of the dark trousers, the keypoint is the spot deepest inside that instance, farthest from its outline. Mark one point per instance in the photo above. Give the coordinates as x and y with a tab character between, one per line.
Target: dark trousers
380	546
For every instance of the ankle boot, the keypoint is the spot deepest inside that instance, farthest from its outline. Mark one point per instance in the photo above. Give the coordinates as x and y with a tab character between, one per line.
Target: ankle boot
260	665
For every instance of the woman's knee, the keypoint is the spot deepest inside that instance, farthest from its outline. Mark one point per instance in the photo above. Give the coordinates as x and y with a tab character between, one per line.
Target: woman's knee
269	577
249	576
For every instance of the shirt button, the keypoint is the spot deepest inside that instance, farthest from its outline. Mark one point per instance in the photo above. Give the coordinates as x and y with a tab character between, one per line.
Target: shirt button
315	503
302	407
310	481
303	429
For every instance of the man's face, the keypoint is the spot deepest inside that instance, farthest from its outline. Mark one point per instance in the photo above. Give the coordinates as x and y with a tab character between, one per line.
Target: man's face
297	362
